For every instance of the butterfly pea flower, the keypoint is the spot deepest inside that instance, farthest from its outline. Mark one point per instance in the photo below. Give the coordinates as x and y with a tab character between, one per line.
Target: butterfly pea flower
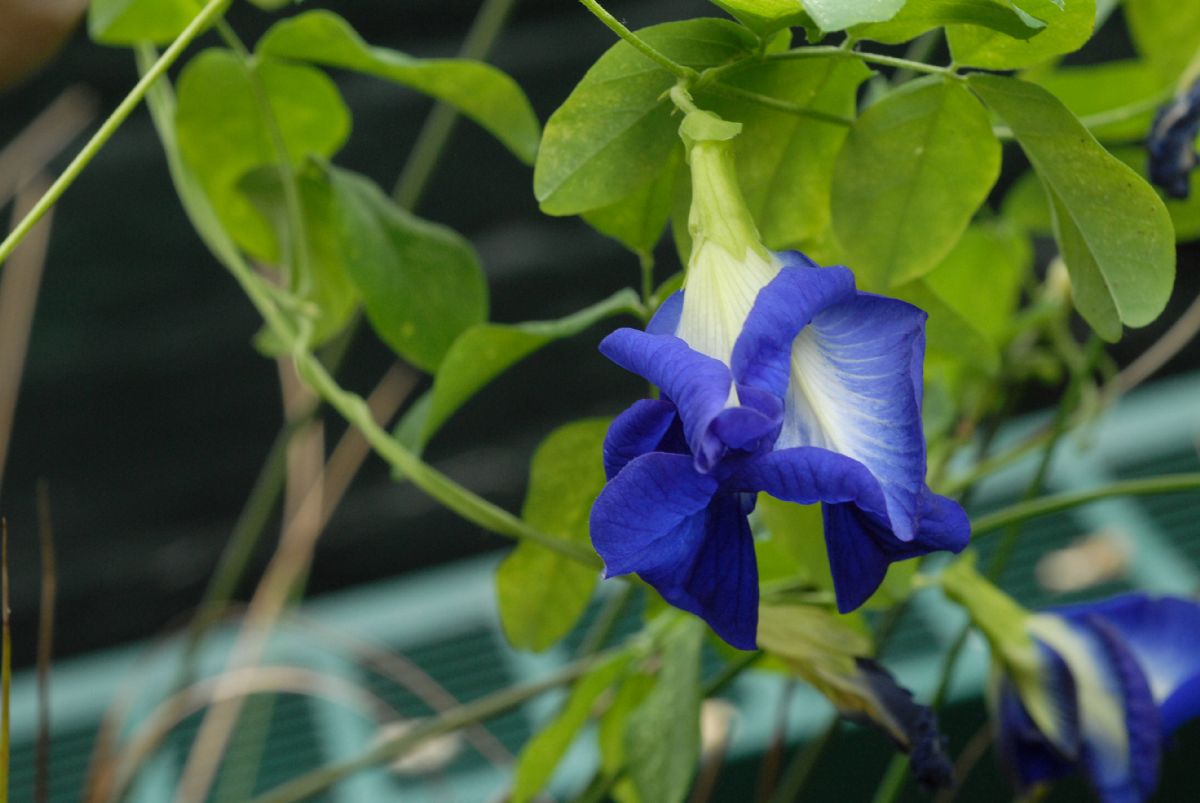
1095	687
1171	144
777	376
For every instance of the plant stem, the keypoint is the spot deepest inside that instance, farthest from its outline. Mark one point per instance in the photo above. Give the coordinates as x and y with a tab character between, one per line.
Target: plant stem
893	780
1167	483
212	11
820	51
476	711
787	107
639	44
427	150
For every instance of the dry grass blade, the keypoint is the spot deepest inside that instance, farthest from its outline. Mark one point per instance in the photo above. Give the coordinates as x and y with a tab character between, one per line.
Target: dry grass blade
45	644
290	561
28	153
5	661
18	297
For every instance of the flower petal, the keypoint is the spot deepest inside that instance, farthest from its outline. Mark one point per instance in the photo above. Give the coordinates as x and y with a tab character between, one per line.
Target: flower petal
1025	752
860	544
1164	635
702	389
666	317
634	521
855	390
762	353
642	428
716	578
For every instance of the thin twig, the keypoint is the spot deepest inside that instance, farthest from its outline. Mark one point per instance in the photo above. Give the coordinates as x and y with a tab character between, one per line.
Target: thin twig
45	644
1150	361
5	661
55	127
974	750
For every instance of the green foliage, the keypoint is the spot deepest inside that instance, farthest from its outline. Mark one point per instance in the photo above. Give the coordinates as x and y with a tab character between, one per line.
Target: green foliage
542	753
132	22
479	91
767	16
1099	89
1165	33
915	168
542	594
421	283
615	131
835	15
327	287
637	220
920	16
1113	230
1068	26
233	116
785	161
662	734
484	351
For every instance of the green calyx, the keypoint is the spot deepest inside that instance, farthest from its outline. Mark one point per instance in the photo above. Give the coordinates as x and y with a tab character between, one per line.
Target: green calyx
1006	626
719	214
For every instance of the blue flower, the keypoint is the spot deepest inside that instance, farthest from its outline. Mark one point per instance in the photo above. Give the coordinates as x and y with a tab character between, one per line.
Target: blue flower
1172	143
777	376
1096	687
1124	673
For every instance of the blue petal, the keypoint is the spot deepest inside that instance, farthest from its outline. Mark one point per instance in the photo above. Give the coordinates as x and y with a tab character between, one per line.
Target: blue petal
1024	751
666	317
716	577
1128	771
855	389
859	541
702	389
642	428
762	355
1164	635
636	519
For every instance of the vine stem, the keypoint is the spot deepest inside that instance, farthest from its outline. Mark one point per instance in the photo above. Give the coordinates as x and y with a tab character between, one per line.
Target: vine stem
1167	483
638	43
211	12
820	51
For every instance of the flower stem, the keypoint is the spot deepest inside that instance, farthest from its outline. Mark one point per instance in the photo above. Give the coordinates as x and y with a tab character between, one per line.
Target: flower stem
638	43
212	11
1166	483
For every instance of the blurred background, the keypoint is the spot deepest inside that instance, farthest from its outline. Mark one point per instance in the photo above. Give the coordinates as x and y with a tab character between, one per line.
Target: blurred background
147	413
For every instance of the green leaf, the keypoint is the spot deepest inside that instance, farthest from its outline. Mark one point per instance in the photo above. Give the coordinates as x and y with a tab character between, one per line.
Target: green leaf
611	734
541	754
785	162
950	334
421	283
542	594
1097	89
1113	230
131	22
479	91
913	171
919	16
836	15
274	5
795	537
981	278
615	131
1185	212
224	131
662	736
637	221
484	351
1026	206
328	288
765	17
1067	29
1165	33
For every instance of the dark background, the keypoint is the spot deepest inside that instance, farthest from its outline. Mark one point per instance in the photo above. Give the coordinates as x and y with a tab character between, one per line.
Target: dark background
148	412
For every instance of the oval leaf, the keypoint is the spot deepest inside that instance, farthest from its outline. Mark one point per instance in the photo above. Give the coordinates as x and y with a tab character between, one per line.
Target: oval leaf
1068	27
834	15
1113	230
420	282
480	91
131	22
542	594
1165	33
915	168
615	131
224	133
919	16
